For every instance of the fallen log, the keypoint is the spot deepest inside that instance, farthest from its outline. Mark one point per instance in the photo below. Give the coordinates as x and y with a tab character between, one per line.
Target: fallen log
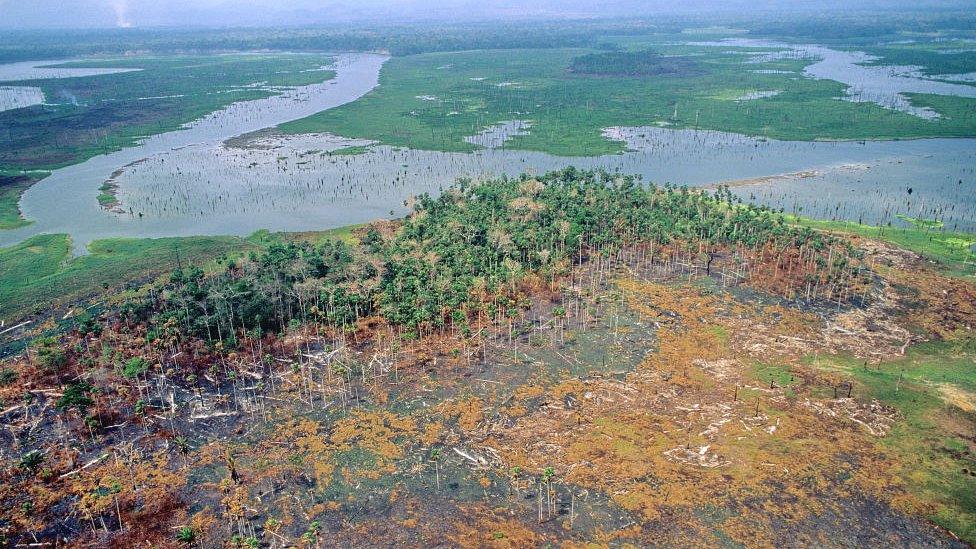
83	467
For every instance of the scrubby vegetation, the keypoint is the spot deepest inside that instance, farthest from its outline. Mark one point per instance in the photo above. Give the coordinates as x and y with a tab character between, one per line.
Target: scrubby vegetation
573	357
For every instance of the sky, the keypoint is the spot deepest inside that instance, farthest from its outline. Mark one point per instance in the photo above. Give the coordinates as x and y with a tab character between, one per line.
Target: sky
236	13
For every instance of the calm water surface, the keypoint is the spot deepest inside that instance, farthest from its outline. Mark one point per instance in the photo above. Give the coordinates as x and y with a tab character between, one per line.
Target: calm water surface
18	97
189	182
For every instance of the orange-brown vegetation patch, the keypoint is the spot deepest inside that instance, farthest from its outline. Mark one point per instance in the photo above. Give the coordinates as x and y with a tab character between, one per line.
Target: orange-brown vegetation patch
482	527
678	435
910	302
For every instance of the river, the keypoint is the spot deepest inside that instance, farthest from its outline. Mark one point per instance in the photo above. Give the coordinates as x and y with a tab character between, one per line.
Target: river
64	201
190	182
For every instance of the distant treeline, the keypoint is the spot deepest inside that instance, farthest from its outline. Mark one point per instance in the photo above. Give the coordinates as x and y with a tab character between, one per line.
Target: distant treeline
633	63
415	39
864	25
404	40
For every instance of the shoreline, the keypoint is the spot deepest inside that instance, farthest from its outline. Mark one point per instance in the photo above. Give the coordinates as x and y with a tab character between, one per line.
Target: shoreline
764	179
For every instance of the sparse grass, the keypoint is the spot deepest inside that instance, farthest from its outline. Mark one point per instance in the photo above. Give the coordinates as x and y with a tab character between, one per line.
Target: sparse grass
778	374
953	250
932	440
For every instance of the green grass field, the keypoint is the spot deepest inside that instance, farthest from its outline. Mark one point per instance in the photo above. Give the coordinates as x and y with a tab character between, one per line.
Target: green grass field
12	185
98	114
432	101
930	388
952	250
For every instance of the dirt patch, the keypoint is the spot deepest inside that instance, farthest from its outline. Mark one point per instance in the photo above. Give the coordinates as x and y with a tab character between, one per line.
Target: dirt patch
960	398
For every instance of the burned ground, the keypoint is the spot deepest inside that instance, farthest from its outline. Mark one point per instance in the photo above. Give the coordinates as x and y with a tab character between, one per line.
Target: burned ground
640	402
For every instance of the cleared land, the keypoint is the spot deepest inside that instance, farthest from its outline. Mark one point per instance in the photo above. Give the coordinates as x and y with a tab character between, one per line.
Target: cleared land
498	384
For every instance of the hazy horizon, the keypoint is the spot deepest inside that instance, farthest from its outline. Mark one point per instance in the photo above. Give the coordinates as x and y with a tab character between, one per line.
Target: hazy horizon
261	13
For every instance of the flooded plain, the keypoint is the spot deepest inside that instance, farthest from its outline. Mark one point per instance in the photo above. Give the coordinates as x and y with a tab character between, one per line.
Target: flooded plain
295	183
191	182
45	70
65	201
885	85
18	97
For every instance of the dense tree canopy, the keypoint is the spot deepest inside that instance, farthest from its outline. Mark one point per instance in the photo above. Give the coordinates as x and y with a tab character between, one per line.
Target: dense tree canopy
462	255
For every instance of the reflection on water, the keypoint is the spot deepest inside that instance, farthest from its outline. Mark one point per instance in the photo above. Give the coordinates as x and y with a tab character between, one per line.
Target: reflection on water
189	182
294	183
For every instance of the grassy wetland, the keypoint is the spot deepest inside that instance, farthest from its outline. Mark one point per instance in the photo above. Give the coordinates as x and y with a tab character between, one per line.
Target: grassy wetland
253	299
432	101
87	116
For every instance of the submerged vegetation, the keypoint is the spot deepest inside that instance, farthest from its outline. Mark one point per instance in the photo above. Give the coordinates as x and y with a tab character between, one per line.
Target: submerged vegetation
571	357
87	116
434	101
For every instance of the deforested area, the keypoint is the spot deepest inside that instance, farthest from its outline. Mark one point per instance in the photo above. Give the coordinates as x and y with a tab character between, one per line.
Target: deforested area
533	360
494	274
